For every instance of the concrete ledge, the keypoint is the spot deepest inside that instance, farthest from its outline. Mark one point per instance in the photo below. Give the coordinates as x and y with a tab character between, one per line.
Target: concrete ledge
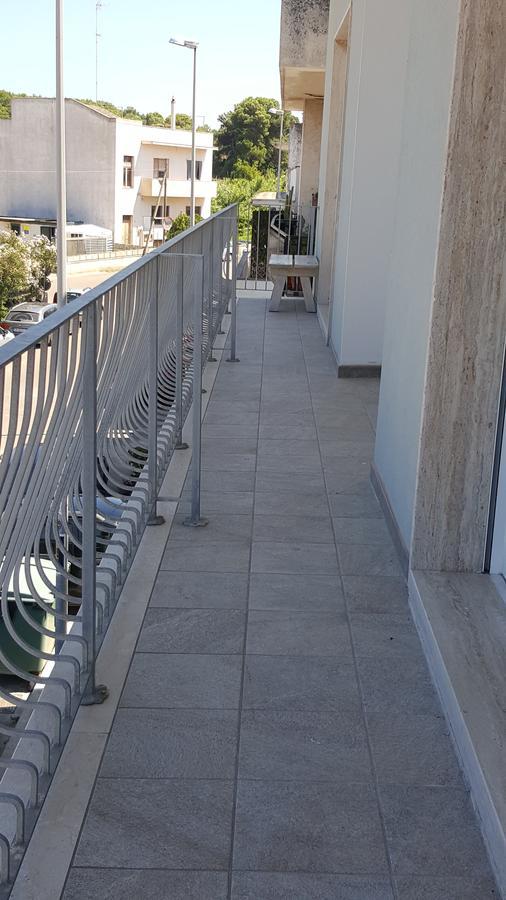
461	620
381	494
359	371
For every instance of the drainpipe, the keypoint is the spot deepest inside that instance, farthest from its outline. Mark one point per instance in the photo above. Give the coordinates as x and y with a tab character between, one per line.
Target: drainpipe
173	113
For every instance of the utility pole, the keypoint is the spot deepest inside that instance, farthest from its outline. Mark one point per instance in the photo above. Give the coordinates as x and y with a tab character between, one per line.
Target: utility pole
98	7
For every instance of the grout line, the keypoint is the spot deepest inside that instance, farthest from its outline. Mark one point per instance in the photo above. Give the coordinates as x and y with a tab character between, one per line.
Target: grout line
361	695
241	694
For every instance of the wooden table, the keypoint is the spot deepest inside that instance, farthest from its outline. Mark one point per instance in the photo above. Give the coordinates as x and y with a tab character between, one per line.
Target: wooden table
289	266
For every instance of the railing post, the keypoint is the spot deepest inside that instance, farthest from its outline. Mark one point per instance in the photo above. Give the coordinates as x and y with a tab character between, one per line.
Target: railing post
210	317
180	444
93	693
153	518
195	520
233	300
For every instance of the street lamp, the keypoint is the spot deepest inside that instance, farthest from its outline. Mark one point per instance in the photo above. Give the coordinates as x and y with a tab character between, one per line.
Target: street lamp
276	112
191	45
61	179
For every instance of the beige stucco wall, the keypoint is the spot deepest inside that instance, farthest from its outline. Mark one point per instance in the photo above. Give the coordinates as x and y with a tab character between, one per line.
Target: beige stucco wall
311	145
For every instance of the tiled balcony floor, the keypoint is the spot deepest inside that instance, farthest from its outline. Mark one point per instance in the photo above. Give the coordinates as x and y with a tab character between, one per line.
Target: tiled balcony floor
278	737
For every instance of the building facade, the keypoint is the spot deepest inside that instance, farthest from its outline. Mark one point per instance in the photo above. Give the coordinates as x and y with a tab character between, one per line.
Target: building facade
412	242
115	169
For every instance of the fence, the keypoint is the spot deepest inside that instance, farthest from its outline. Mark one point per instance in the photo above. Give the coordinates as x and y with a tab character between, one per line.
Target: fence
285	228
93	403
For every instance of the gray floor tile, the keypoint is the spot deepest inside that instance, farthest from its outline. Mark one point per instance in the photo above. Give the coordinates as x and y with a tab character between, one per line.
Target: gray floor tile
303	746
118	884
333	446
416	888
222	431
237	444
294	886
295	557
373	594
204	590
432	831
412	749
300	683
221	480
298	633
222	527
361	531
220	502
332	828
355	506
375	559
188	681
212	556
403	685
380	635
282	503
270	482
289	432
348	483
292	592
229	462
294	464
172	743
270	419
280	448
286	527
136	823
192	631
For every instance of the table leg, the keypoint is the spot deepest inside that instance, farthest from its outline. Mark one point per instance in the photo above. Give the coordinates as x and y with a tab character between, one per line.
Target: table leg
277	292
308	295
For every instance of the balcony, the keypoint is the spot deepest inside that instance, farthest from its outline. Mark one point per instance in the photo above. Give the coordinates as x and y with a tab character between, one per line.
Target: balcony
303	50
257	722
150	188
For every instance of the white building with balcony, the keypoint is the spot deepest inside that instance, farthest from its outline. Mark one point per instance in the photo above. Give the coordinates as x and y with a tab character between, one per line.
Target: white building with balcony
115	168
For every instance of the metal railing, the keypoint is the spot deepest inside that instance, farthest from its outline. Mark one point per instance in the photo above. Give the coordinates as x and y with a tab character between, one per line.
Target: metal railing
284	227
93	403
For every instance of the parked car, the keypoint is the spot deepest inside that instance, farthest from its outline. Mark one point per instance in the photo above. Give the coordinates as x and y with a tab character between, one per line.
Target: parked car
24	315
72	295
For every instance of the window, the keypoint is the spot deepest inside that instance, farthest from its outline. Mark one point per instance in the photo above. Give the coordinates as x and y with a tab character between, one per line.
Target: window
160	167
198	210
158	218
128	171
198	169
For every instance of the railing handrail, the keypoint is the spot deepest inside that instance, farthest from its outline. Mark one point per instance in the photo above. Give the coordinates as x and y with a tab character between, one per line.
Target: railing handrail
35	333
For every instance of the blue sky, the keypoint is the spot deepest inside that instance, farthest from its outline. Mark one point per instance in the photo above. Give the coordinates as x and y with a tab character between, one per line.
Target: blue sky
237	57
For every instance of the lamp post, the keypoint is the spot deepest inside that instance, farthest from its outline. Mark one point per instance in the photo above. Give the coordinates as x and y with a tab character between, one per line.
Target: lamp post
191	45
61	175
277	112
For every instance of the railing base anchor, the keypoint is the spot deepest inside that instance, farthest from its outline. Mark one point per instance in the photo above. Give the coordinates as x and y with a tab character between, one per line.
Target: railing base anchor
96	696
156	520
221	331
182	445
233	359
203	391
196	523
212	359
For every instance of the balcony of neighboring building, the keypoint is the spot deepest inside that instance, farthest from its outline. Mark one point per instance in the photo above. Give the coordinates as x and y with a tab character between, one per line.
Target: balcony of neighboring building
303	50
150	188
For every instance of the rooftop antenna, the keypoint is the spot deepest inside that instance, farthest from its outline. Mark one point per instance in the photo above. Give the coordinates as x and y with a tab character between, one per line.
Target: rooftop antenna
98	6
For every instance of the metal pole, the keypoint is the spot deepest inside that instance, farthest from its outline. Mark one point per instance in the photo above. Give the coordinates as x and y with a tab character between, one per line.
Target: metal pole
194	127
153	518
180	444
233	300
210	302
279	153
195	520
93	693
61	181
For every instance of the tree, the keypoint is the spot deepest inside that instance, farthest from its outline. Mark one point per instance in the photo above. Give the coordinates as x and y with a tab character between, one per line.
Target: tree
42	262
183	121
249	134
14	269
180	223
154	118
130	112
241	191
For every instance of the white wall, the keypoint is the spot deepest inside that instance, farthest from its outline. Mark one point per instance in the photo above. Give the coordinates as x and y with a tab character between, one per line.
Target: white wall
310	154
27	162
429	78
376	76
